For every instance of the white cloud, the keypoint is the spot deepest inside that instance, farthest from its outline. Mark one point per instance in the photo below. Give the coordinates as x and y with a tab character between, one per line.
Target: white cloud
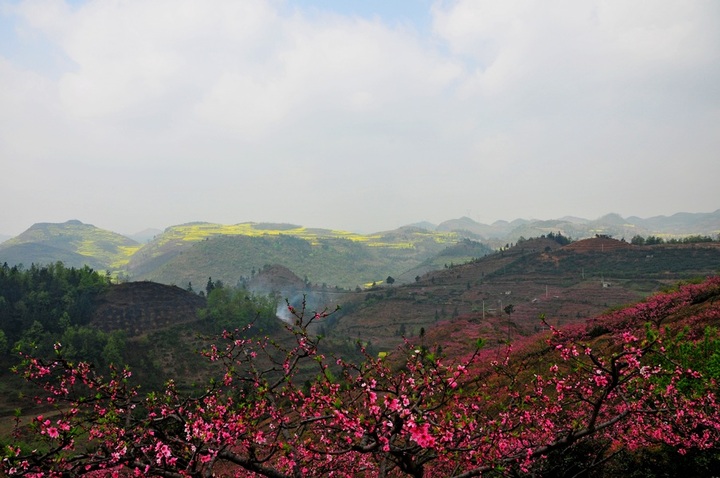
503	100
576	48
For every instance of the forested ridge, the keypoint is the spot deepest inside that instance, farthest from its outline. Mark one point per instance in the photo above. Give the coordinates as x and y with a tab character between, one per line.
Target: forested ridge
44	304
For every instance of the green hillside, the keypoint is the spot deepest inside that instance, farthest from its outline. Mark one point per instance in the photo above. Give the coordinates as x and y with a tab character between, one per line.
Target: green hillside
33	253
194	252
72	242
190	253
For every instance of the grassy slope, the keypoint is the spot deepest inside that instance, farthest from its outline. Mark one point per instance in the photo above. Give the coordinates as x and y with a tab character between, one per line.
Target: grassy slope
74	243
194	252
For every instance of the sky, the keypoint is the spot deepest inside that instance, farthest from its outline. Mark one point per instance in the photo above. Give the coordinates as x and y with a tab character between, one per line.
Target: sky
360	115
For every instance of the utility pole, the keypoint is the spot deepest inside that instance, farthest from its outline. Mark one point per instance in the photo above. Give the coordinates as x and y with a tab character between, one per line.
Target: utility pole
508	310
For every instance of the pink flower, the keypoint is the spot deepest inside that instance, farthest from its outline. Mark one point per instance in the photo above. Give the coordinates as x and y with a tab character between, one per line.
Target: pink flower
421	435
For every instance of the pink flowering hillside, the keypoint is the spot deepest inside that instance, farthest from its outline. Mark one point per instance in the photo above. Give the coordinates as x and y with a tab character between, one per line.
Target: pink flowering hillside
631	393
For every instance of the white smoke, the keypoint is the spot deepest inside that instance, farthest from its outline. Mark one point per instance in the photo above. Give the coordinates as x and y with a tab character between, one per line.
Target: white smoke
284	314
312	302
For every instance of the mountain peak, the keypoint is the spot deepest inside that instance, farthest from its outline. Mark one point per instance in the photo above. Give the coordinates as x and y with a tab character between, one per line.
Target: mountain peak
72	242
612	218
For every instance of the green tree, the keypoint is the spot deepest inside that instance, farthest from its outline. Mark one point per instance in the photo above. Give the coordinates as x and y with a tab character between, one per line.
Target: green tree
3	343
231	309
637	240
33	338
209	287
114	350
652	240
84	343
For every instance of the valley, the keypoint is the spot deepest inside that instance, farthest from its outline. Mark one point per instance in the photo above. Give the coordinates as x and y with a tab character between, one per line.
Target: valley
443	292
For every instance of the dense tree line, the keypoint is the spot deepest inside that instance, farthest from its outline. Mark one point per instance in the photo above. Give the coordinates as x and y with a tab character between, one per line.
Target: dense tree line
639	240
559	238
234	308
43	304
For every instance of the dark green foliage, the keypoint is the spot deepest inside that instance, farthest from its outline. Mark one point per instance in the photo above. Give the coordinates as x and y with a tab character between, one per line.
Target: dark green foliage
694	239
210	286
590	460
559	238
41	302
40	306
597	331
654	240
3	342
701	354
662	461
93	345
230	309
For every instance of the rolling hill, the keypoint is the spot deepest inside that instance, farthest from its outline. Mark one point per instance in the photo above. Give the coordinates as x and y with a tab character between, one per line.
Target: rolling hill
73	243
190	253
567	284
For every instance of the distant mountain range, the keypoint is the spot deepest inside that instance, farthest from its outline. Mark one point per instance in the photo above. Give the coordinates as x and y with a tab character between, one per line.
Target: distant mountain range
677	225
191	253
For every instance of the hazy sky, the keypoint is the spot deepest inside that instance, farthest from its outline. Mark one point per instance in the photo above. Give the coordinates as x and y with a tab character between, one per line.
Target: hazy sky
361	115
